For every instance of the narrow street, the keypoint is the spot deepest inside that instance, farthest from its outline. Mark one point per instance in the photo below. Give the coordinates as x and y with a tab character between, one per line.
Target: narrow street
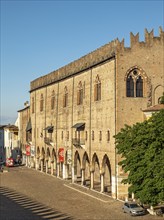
30	194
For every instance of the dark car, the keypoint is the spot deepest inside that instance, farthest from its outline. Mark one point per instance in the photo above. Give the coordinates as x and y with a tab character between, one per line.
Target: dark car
133	208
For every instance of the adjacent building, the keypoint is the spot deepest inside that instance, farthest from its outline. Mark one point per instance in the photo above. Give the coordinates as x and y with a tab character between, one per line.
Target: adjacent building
9	142
76	110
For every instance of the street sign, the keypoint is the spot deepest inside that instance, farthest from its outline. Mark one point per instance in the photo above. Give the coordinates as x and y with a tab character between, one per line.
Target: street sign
69	156
28	153
61	154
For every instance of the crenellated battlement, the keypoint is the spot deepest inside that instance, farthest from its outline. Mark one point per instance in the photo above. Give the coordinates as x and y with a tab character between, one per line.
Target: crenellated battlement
149	38
102	54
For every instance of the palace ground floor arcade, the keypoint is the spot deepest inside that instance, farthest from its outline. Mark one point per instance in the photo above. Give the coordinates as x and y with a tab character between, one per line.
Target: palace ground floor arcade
95	173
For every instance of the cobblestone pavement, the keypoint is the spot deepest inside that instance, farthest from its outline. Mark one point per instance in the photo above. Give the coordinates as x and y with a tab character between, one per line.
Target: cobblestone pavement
29	194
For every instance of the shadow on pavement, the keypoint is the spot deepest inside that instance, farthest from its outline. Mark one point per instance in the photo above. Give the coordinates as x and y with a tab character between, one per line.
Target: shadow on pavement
14	205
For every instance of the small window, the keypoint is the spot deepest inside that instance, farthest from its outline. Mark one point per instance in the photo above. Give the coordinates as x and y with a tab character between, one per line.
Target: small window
130	87
93	136
65	97
139	87
33	105
41	102
100	136
62	135
86	135
80	94
97	89
108	136
52	100
67	137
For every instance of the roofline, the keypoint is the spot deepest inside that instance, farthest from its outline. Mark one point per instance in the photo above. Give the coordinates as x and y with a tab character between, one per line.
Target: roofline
76	73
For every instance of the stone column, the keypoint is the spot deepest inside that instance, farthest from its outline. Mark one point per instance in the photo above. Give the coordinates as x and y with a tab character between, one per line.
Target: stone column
37	164
42	165
26	161
74	174
83	177
58	169
102	182
52	167
46	166
92	179
65	171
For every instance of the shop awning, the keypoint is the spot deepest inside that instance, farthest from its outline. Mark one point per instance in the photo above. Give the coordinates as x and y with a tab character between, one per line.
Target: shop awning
79	126
49	128
29	126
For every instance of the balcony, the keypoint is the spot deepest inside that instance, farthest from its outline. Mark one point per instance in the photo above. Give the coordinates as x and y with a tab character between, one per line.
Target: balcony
48	141
78	142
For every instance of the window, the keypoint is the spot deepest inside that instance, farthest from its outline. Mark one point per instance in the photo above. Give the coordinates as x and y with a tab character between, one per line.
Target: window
65	97
134	83
80	94
41	102
139	87
108	136
62	135
93	136
52	100
33	105
100	136
75	134
67	137
130	87
97	89
86	135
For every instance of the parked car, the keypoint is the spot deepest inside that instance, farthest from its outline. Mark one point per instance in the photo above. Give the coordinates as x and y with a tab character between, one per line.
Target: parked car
133	208
10	162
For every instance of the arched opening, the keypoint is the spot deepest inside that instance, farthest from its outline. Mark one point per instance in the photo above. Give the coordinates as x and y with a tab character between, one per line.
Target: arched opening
135	82
43	165
86	170
96	173
38	161
107	174
53	163
68	164
77	168
157	94
48	161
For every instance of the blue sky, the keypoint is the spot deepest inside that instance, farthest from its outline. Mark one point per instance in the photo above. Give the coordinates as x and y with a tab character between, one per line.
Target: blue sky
38	37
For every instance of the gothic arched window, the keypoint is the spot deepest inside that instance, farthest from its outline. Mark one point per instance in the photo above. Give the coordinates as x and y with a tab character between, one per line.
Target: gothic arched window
80	94
134	83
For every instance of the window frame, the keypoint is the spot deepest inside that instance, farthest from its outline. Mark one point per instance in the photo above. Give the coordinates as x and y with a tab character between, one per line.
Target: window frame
135	83
65	97
41	102
97	89
53	100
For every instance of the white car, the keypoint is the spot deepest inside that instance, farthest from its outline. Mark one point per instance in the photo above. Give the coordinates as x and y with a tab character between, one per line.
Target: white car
133	208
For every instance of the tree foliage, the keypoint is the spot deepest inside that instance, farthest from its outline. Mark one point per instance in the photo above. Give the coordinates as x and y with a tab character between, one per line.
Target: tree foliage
162	99
142	150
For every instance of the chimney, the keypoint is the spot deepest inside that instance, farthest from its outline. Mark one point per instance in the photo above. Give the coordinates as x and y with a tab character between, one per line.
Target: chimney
26	104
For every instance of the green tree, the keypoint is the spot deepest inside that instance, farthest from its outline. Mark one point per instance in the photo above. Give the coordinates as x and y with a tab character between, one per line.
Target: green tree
162	99
142	150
